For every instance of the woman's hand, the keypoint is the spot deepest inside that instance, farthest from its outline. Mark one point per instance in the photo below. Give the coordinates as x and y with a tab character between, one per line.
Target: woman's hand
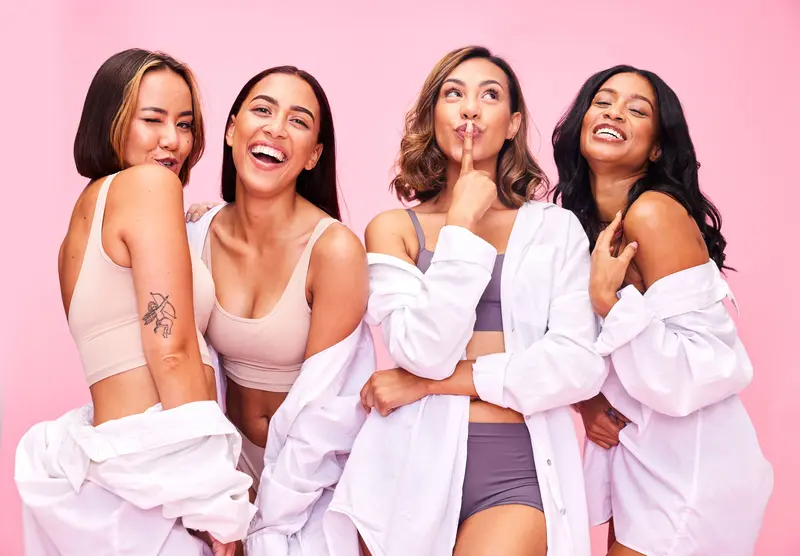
196	210
387	390
601	421
608	271
473	193
222	549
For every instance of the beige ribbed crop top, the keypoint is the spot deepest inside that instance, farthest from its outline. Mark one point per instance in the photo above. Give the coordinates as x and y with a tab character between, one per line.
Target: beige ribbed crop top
103	316
266	353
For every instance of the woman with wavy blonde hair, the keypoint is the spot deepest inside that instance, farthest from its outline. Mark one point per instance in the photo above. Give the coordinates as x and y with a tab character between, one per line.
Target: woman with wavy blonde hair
482	295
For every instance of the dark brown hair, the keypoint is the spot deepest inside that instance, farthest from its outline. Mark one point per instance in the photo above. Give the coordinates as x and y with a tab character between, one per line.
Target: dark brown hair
318	185
109	107
421	164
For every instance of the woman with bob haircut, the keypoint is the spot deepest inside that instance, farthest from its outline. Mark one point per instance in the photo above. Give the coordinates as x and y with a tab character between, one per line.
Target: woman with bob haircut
152	457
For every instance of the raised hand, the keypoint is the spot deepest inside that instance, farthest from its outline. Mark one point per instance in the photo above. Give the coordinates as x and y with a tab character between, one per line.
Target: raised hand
608	271
474	191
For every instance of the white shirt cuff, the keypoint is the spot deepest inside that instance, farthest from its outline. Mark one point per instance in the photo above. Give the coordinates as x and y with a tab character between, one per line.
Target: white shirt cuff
626	320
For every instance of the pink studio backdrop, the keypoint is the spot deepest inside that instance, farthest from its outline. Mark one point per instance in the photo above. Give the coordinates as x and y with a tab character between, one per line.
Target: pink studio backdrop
733	64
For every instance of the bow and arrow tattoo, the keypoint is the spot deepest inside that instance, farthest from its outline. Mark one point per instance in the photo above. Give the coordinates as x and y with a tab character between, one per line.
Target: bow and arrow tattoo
160	311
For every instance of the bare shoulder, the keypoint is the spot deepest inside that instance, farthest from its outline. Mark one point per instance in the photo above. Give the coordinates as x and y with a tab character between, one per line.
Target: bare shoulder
389	222
148	182
668	237
656	212
392	233
339	245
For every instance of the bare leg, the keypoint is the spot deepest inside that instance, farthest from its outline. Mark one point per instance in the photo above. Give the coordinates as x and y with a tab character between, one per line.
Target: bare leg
611	536
512	530
619	550
364	551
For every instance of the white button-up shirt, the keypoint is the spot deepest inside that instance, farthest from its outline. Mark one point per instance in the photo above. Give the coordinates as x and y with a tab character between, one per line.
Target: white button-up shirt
688	476
403	481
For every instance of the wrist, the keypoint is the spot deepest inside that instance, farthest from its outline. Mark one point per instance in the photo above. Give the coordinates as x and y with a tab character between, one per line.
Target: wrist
603	304
456	219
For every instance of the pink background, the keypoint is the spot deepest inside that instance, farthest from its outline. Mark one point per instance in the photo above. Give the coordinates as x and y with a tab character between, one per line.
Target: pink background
733	64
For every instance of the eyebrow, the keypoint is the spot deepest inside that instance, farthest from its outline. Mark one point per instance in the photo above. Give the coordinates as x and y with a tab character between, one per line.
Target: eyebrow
638	97
294	108
162	111
482	83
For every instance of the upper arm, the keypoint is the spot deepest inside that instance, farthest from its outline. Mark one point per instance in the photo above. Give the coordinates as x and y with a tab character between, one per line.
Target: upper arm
668	237
339	288
154	231
387	233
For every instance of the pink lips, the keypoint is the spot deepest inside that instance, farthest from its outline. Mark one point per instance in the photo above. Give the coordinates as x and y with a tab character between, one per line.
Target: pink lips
461	131
170	163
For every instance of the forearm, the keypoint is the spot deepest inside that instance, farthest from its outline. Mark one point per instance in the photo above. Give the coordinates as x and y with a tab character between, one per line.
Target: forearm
459	383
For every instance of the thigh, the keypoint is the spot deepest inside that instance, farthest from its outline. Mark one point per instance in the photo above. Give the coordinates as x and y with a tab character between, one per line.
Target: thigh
510	530
620	550
363	547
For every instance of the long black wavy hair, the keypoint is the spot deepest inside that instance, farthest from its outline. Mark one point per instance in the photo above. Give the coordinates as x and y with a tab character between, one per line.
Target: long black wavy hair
674	173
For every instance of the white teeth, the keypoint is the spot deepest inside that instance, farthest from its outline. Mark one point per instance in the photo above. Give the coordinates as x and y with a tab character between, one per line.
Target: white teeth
269	151
608	131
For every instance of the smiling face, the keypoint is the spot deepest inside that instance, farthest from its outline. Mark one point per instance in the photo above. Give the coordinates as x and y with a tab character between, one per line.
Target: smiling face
621	125
478	91
161	129
273	137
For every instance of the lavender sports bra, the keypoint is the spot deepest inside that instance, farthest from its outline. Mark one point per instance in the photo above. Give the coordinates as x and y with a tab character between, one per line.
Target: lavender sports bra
488	314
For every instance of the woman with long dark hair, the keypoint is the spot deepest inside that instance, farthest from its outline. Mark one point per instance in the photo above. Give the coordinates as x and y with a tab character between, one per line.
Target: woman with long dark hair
481	291
673	460
291	291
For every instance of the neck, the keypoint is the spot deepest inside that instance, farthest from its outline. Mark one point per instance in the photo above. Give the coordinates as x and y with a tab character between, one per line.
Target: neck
256	218
453	172
610	190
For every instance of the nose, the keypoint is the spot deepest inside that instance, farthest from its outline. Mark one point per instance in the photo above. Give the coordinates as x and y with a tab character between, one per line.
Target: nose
275	127
470	108
614	112
169	138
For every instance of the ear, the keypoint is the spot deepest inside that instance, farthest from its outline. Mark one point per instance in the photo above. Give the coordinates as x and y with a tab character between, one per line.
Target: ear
655	153
229	131
314	158
513	127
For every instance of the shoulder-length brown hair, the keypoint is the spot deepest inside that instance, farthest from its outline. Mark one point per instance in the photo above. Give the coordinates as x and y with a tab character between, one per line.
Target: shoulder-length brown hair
421	164
109	108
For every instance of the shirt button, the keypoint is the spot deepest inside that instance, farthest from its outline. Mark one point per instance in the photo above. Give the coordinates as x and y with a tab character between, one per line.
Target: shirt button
549	462
563	511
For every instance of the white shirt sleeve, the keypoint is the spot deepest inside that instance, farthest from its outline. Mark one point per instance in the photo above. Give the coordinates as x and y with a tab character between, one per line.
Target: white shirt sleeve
427	319
676	363
562	367
317	442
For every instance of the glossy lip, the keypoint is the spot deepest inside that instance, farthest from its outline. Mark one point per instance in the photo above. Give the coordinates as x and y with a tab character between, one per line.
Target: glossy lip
606	138
461	131
262	164
169	160
268	144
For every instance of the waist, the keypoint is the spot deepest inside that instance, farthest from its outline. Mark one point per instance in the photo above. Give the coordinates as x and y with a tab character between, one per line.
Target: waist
257	375
133	392
250	410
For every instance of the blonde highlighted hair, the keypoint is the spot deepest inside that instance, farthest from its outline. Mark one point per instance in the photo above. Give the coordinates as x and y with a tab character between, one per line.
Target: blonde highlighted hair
421	164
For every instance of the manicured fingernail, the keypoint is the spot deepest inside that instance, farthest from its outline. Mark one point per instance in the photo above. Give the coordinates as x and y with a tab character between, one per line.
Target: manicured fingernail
635	244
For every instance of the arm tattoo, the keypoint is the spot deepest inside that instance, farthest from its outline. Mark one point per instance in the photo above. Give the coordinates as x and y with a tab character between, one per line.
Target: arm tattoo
160	311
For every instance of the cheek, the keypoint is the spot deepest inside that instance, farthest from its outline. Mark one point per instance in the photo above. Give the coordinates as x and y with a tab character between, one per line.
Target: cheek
138	144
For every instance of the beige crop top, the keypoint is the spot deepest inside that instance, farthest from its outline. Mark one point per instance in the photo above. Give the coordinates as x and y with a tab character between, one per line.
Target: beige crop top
103	317
266	353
